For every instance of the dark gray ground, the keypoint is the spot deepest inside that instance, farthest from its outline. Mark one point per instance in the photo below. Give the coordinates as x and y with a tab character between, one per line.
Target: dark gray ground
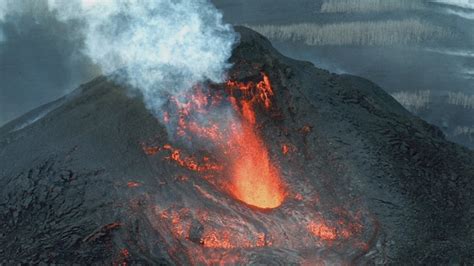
63	178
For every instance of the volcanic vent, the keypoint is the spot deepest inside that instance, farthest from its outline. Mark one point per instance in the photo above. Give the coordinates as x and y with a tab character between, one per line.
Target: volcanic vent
224	122
283	163
229	147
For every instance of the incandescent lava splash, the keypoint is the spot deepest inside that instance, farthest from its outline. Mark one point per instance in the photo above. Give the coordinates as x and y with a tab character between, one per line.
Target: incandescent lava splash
249	192
255	179
233	137
216	130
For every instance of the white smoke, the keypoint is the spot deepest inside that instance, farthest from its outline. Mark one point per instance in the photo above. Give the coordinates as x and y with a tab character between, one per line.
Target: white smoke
3	11
156	46
468	4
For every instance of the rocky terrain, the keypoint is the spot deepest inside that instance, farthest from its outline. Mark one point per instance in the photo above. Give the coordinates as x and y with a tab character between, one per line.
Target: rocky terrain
84	180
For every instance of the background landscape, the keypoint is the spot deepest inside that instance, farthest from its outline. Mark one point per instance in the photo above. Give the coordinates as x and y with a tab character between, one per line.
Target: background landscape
421	52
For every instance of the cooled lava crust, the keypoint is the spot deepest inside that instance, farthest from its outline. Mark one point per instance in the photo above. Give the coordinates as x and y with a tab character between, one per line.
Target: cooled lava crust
94	177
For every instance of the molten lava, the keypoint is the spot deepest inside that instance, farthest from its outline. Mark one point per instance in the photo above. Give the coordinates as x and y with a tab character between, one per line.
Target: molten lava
254	178
321	230
190	162
217	138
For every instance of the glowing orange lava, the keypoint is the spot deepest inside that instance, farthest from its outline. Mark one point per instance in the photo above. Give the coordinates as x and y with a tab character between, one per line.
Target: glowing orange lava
190	162
287	148
219	139
242	154
132	184
217	240
255	180
322	231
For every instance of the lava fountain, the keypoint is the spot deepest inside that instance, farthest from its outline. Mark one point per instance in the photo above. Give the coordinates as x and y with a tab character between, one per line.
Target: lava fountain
218	139
234	139
255	180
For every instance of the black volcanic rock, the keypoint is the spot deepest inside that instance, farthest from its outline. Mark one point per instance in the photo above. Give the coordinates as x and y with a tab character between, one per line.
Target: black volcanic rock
77	187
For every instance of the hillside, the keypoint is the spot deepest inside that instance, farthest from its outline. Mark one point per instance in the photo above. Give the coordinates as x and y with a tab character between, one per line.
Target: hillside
90	179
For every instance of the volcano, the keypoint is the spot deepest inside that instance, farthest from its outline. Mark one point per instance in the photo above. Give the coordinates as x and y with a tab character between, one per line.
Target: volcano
321	169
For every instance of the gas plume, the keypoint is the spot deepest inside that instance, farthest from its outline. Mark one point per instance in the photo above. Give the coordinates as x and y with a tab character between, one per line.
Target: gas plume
3	11
160	47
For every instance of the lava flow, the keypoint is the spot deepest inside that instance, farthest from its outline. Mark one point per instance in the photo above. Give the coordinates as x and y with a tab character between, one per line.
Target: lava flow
217	138
254	178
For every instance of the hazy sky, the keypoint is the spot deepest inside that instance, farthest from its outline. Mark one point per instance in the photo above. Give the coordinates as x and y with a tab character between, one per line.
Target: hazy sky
39	58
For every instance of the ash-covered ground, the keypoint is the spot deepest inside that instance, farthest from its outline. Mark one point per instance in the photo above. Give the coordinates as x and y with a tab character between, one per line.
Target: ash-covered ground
85	180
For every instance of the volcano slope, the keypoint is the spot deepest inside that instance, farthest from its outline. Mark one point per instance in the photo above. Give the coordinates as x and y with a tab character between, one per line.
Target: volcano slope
95	178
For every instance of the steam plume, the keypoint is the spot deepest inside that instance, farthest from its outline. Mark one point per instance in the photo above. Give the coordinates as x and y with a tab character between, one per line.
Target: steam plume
158	46
3	11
